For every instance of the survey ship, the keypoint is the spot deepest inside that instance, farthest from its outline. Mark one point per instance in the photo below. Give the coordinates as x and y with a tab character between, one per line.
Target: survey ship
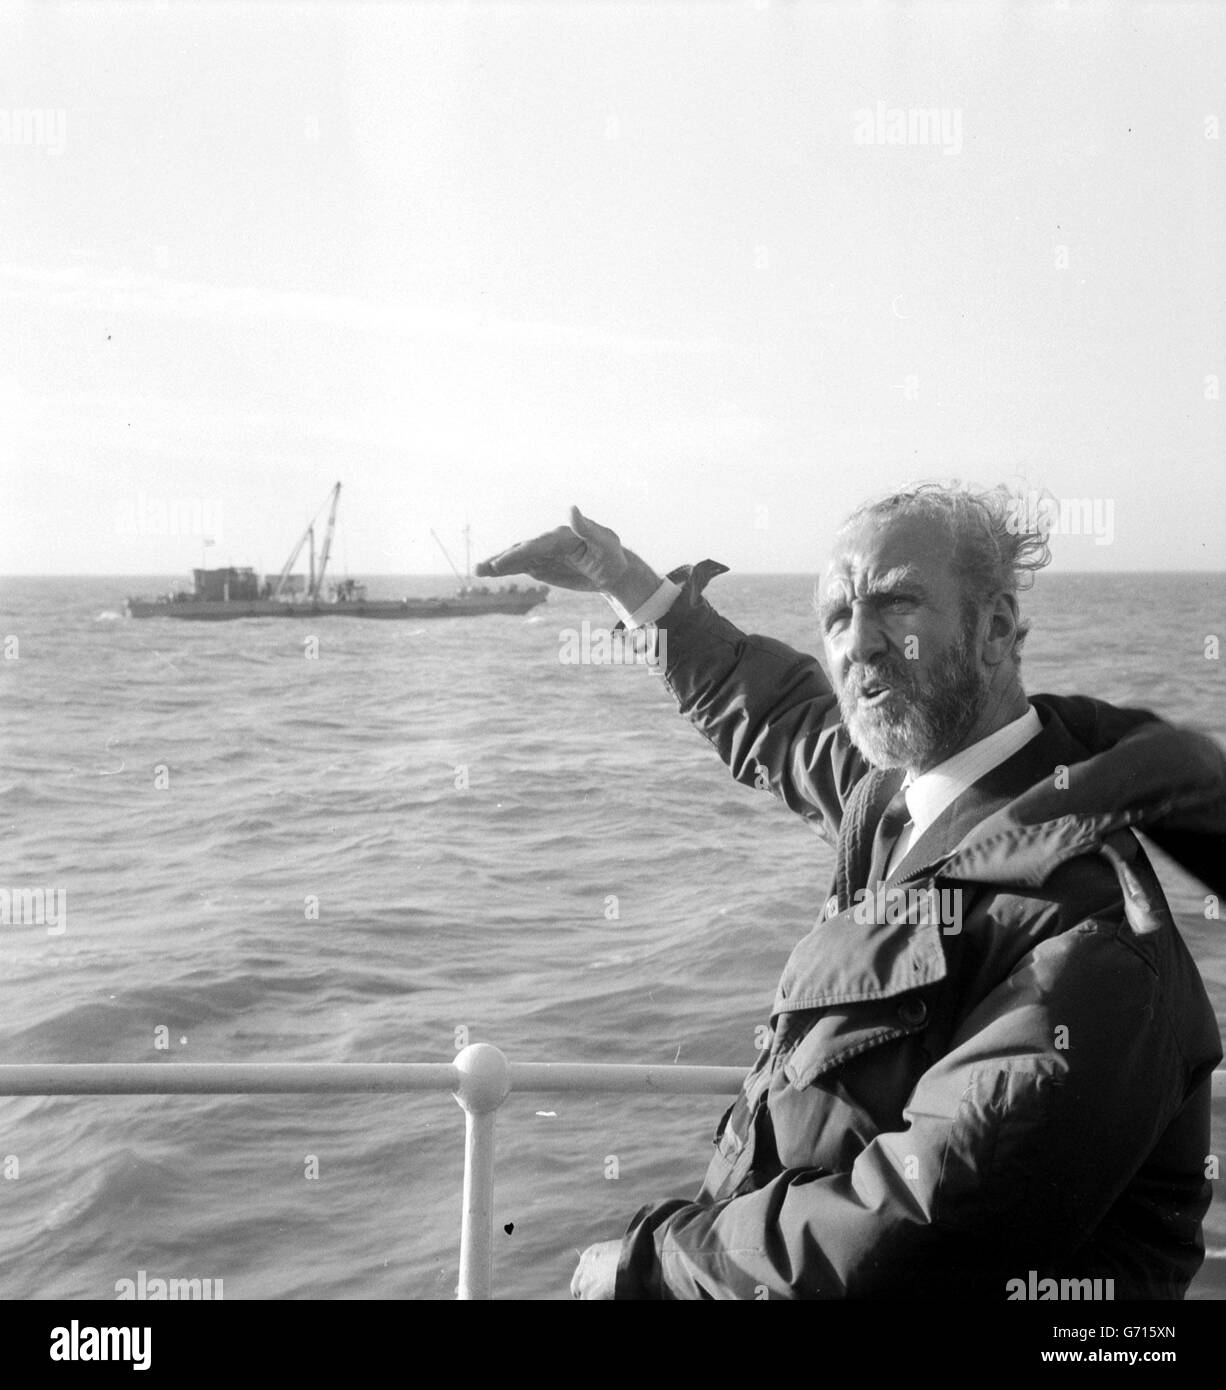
222	594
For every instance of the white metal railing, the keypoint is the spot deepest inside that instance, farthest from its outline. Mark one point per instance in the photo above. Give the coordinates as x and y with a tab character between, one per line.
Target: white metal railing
480	1078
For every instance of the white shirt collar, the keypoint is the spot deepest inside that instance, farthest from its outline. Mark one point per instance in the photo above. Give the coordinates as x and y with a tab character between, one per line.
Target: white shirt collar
931	792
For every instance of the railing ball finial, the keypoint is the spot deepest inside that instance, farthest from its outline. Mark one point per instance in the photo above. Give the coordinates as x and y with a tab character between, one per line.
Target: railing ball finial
483	1078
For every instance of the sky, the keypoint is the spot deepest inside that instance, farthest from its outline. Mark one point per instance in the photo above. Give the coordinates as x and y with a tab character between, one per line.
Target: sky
714	272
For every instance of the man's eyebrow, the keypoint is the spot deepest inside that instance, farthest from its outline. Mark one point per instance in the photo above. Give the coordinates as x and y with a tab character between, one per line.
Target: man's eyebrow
900	577
839	595
830	602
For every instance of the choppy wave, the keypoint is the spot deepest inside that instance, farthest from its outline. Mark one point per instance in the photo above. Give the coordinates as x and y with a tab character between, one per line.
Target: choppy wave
422	836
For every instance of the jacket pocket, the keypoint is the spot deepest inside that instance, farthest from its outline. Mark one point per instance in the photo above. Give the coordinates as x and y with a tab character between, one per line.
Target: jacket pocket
836	1035
735	1136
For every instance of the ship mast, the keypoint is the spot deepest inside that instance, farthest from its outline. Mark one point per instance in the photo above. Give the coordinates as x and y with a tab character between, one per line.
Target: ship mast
447	557
327	546
309	535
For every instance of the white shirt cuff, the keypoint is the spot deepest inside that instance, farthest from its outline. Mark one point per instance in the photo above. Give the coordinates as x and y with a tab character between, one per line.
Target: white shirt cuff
651	611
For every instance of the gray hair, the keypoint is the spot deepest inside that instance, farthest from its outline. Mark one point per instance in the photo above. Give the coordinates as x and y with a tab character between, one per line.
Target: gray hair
999	542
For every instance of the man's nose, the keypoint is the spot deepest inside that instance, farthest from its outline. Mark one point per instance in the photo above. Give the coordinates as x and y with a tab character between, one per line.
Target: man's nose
864	634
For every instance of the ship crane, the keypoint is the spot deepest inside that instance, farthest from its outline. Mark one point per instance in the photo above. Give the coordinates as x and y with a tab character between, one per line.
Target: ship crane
348	598
316	579
327	546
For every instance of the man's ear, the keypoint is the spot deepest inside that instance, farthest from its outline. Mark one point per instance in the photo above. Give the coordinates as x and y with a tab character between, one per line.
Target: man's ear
1001	635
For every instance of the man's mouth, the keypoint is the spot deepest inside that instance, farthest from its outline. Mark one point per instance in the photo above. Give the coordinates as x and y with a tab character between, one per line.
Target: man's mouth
874	693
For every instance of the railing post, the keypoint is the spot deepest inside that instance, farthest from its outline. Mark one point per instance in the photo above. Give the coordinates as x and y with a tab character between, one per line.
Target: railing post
483	1081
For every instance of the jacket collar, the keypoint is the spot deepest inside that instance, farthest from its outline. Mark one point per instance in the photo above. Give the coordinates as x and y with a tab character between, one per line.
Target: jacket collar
1049	803
855	957
1035	762
1160	777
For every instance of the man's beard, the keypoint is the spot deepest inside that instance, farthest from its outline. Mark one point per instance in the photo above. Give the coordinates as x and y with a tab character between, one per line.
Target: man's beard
919	723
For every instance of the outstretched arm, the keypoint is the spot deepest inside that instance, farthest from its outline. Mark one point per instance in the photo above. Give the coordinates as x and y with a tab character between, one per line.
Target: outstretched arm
584	556
767	709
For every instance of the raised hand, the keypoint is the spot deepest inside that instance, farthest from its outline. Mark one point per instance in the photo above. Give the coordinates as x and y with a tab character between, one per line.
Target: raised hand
583	555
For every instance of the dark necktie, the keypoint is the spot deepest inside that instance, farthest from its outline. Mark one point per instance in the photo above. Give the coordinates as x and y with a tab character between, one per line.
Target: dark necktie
893	818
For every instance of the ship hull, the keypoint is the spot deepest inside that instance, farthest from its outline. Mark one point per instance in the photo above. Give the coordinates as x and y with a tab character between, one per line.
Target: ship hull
215	611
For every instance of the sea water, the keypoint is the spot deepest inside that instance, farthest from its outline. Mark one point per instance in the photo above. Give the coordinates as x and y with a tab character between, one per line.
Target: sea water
348	841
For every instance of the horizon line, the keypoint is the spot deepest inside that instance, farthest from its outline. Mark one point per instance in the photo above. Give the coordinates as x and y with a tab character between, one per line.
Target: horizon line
435	574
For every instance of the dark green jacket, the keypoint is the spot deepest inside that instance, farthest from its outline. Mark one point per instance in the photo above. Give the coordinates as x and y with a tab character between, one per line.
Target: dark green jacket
946	1104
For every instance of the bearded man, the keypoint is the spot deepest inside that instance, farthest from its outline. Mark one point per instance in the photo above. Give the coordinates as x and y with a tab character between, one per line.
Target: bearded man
948	1103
